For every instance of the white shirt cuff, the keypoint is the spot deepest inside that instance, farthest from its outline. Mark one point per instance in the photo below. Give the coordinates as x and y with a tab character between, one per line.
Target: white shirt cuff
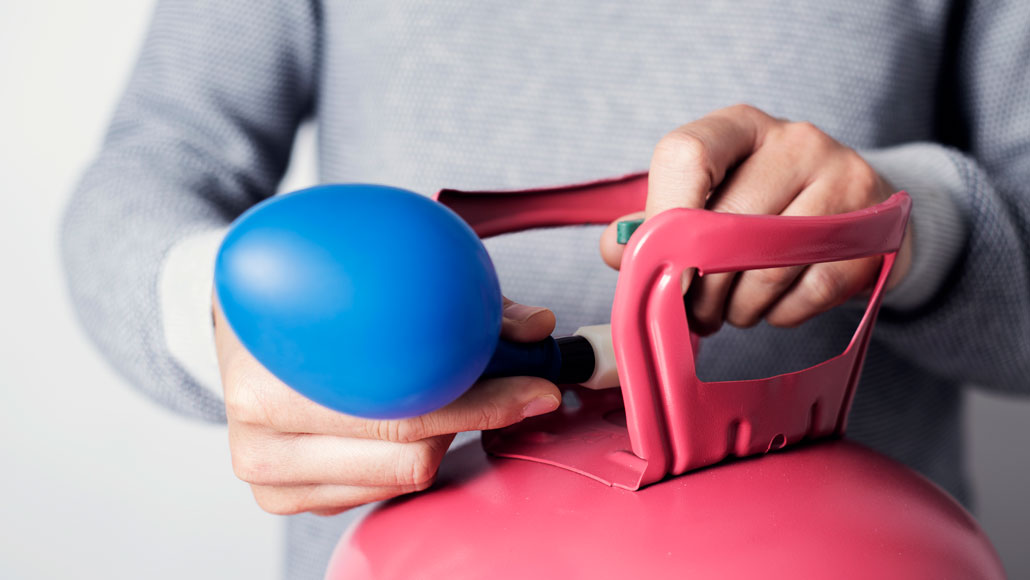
184	292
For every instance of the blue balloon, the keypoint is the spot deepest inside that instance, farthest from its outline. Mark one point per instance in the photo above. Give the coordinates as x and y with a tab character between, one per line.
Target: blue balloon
370	300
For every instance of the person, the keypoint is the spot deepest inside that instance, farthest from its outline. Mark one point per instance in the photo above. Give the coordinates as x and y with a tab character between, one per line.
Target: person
848	102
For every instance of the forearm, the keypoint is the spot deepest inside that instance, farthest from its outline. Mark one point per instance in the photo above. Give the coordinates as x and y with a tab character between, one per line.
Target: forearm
203	131
114	256
971	322
964	310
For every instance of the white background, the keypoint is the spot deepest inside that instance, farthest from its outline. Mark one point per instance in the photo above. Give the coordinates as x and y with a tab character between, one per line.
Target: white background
98	482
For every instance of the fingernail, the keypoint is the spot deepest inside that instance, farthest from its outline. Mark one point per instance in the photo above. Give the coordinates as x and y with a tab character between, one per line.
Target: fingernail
539	406
521	312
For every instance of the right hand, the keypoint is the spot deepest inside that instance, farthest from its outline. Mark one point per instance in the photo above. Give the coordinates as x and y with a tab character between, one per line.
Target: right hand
298	456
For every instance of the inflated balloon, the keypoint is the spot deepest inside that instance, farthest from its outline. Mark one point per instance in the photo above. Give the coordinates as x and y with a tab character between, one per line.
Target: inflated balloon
370	300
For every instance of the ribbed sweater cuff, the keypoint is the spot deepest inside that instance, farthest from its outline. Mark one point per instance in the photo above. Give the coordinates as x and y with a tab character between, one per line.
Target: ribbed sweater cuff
928	174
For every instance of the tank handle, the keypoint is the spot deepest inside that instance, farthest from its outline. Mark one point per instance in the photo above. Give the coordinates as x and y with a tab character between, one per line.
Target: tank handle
678	422
491	213
666	420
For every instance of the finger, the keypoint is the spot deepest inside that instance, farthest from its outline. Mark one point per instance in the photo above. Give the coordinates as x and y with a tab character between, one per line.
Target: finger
822	287
264	457
323	499
524	323
692	160
253	396
706	301
611	249
766	183
791	157
798	293
490	404
329	512
756	291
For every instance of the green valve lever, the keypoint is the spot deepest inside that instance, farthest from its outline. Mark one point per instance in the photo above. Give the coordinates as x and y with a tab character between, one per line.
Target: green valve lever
625	229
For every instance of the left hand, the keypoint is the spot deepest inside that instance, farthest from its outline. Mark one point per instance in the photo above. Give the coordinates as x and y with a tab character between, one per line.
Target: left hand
299	456
741	160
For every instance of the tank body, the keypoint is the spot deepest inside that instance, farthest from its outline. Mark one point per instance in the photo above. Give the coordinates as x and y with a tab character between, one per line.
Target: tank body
826	510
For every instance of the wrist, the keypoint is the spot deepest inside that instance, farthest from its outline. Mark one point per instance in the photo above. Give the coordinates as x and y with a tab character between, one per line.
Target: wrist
936	231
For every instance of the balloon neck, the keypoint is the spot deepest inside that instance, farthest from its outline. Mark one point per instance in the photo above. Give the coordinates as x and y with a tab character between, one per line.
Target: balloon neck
566	360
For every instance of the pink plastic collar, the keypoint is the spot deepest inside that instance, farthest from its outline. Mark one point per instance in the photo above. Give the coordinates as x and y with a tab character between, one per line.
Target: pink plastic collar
667	421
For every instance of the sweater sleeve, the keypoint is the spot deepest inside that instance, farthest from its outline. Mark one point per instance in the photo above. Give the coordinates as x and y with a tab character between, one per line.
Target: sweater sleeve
964	314
203	131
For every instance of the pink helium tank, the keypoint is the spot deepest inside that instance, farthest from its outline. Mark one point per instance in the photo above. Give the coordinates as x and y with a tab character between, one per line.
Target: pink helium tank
597	489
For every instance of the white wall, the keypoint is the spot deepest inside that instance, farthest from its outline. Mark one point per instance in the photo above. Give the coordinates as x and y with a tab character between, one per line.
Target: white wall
97	482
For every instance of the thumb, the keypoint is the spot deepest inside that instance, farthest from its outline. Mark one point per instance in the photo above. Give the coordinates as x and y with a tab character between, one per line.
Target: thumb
611	249
493	404
523	323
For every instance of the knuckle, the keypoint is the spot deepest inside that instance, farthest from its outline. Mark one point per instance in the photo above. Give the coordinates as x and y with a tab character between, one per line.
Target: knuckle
276	501
400	430
708	318
246	403
862	178
382	430
395	431
243	466
805	129
419	469
238	405
424	485
824	287
782	320
707	300
416	428
771	278
744	109
742	320
806	134
372	429
490	415
250	466
682	150
743	316
705	322
737	204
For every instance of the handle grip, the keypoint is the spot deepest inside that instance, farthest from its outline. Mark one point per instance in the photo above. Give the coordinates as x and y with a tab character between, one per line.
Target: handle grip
668	421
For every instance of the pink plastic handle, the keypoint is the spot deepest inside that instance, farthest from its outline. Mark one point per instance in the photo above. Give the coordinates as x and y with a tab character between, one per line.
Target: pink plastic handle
667	421
724	242
676	421
491	213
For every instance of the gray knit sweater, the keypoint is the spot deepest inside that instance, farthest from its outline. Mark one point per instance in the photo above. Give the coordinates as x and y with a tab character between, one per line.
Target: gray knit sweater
499	94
